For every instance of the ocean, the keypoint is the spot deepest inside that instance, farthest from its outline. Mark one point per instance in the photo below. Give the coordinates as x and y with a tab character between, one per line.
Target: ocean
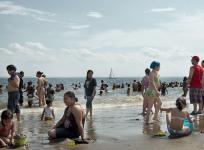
117	97
116	117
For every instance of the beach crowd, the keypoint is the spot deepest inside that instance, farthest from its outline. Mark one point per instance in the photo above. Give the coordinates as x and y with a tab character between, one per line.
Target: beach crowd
71	124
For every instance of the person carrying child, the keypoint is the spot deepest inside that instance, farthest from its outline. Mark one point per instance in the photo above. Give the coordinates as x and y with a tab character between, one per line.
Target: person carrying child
30	93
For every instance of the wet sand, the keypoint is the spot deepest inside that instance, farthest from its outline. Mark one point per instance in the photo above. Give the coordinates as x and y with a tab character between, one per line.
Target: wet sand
110	128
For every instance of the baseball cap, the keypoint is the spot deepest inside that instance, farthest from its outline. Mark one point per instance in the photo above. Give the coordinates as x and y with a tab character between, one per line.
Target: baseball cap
196	58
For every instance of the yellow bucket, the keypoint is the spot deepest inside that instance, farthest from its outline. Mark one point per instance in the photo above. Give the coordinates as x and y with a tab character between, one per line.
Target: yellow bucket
71	143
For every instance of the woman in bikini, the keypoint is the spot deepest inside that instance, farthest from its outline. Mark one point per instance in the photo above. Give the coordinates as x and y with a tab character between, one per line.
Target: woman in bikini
152	93
176	125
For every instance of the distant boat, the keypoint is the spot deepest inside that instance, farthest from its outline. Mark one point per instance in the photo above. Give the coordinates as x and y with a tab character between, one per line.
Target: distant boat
111	75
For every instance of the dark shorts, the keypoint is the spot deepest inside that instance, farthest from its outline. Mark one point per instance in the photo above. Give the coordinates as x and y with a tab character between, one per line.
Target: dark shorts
21	97
62	132
13	98
89	102
195	95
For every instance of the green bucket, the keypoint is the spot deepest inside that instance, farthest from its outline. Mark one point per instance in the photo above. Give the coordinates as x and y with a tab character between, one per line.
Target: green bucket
20	140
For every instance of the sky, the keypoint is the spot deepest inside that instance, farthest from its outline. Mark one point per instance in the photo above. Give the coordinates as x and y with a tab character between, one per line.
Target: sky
65	38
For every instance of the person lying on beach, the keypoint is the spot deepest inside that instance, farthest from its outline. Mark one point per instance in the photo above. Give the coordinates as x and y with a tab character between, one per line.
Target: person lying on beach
180	123
7	128
71	125
48	112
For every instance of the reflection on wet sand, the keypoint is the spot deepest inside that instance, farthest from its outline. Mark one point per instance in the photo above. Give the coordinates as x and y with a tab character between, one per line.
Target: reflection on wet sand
151	129
90	129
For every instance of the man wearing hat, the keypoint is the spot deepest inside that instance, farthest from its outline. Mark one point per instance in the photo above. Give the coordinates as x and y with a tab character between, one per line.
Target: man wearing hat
195	84
13	91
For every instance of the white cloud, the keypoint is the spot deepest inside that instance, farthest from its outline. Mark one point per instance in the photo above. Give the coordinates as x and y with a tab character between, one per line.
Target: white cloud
127	51
94	14
28	51
79	27
183	33
158	10
6	51
36	45
9	8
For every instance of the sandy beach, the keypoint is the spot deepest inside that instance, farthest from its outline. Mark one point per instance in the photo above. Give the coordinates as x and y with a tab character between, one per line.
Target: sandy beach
118	128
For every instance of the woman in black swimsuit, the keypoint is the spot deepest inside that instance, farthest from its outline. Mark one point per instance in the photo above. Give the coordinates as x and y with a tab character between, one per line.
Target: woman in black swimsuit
71	124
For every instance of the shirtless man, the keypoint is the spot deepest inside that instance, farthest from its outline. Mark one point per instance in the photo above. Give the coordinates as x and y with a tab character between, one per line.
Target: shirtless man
40	88
13	91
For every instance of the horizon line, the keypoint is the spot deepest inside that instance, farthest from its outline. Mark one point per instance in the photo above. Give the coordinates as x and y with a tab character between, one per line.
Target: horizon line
99	77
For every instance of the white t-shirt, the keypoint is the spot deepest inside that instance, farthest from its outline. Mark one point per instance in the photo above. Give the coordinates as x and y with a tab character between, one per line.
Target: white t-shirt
48	112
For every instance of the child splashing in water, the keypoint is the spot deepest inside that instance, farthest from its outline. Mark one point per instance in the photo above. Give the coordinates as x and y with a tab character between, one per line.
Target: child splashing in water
152	93
180	123
7	129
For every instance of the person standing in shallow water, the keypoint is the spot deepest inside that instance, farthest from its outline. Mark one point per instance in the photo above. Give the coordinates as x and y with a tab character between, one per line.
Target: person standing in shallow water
185	86
21	75
202	64
40	88
13	91
195	84
152	93
145	84
90	91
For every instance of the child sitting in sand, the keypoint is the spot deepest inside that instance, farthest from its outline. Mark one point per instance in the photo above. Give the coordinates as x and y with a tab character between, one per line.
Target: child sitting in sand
7	129
180	123
48	112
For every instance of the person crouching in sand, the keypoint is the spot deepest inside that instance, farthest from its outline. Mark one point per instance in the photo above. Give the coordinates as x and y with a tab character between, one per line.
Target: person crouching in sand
72	122
177	125
7	128
48	112
152	93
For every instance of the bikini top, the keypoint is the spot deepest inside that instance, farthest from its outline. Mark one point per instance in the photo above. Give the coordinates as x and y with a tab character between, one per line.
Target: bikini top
156	79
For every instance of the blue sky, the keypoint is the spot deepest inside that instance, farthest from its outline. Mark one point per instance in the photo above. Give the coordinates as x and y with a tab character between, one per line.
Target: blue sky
64	38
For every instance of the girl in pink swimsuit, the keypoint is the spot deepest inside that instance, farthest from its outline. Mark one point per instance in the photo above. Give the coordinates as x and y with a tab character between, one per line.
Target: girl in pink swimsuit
7	128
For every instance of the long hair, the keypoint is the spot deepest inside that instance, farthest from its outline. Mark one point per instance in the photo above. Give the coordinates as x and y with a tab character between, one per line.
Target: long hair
89	71
6	114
